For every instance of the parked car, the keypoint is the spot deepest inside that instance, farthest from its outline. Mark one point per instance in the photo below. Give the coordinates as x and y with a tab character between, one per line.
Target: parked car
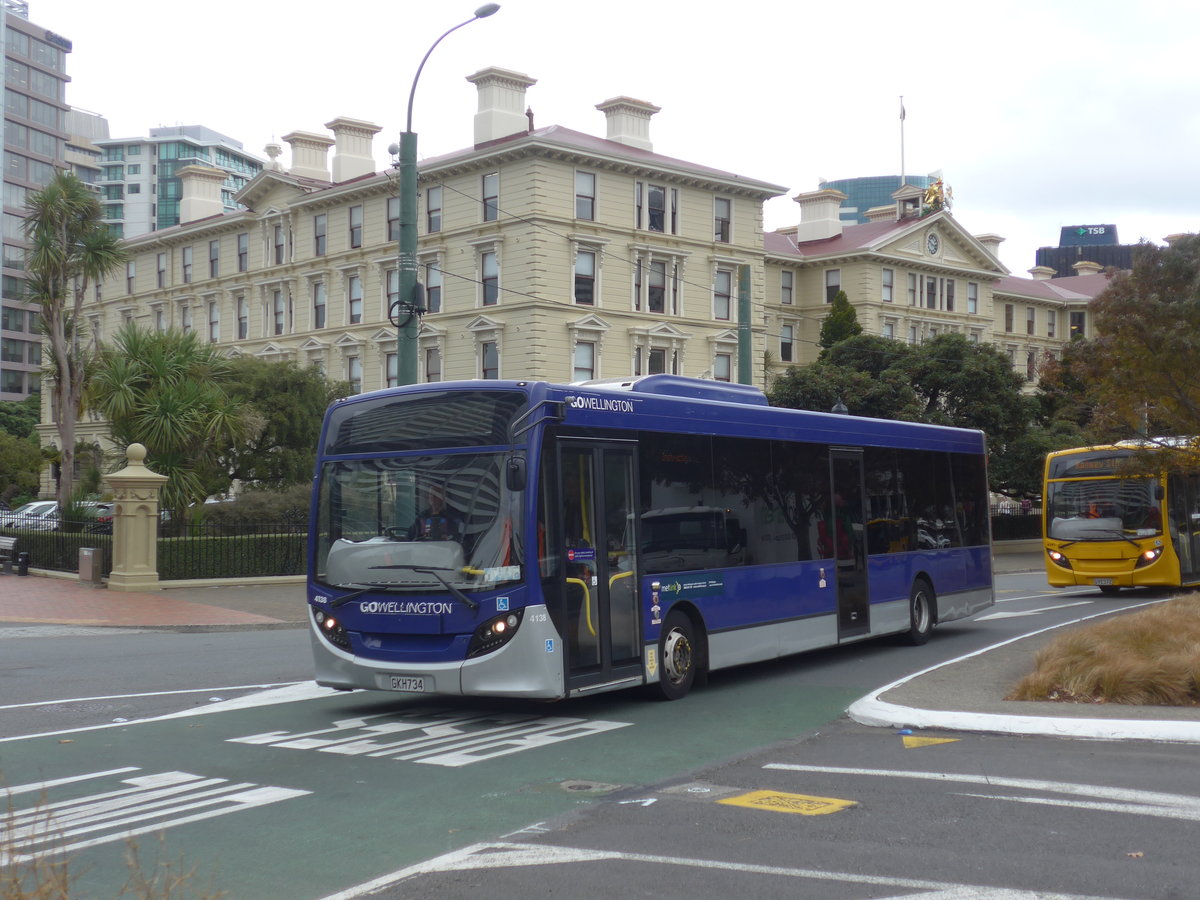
38	515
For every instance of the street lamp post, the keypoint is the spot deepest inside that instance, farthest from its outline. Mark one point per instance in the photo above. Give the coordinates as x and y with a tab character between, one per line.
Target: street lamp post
410	301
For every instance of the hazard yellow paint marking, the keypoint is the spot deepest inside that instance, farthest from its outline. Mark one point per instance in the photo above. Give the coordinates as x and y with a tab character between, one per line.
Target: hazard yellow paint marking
912	743
789	803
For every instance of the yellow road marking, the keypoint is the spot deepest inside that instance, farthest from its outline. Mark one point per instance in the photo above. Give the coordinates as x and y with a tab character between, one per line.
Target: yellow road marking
789	803
912	743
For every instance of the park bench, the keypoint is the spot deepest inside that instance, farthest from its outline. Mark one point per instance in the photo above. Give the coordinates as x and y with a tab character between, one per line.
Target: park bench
6	553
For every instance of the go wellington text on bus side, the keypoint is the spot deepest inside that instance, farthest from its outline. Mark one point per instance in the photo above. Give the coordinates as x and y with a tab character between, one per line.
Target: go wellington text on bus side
1110	524
606	535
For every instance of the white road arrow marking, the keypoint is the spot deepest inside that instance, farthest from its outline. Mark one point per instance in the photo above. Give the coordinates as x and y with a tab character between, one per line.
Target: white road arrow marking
1031	612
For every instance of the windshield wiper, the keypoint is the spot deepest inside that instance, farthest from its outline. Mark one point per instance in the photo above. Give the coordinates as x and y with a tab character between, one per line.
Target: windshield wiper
390	587
1114	531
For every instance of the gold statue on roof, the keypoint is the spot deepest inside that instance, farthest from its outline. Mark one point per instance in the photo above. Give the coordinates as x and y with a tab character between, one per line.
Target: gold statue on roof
938	196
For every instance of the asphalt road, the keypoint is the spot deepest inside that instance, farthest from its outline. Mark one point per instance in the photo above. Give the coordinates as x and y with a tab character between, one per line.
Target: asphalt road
757	784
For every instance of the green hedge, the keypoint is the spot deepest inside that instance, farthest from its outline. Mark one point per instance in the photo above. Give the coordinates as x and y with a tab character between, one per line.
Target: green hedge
58	551
231	556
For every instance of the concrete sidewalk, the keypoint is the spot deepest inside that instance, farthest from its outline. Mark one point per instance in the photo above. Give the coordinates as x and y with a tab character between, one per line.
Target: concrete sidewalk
43	599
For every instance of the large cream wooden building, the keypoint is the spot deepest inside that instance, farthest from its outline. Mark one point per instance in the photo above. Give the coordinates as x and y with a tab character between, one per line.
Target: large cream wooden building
551	254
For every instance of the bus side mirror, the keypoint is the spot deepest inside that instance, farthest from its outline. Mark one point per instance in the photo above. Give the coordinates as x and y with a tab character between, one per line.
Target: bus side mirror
514	473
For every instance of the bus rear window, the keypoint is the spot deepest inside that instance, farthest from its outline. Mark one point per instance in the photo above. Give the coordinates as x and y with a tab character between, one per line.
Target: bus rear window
418	421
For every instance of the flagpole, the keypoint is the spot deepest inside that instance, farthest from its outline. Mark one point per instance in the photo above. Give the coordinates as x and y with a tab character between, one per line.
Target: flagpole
902	178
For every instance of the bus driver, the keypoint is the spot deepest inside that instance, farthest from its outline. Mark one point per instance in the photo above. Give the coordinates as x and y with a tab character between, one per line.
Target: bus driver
437	521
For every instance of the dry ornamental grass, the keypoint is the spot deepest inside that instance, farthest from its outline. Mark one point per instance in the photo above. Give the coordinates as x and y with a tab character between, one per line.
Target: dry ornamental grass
1148	658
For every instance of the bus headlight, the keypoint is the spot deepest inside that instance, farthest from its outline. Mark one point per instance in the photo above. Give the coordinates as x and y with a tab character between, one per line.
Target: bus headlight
332	629
1059	559
1148	556
495	633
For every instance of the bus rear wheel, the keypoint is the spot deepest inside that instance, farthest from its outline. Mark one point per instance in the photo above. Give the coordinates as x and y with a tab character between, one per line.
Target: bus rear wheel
920	612
677	653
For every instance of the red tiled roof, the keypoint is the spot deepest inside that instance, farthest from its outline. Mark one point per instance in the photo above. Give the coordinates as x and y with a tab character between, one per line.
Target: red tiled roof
587	143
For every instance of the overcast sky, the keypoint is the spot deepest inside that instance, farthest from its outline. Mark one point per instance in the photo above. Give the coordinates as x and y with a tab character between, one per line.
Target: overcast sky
1039	113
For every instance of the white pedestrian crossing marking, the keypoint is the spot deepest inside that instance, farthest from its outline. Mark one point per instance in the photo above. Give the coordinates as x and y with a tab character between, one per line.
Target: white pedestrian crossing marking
436	737
147	803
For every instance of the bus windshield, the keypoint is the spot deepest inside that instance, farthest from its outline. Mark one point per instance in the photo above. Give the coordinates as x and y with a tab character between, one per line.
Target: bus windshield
426	524
1103	509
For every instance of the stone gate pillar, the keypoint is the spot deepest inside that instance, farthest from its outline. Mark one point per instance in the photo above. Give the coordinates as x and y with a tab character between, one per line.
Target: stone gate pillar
135	524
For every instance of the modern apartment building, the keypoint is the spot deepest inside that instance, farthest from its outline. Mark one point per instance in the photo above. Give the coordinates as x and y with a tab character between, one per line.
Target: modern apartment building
139	181
83	156
35	134
868	192
552	254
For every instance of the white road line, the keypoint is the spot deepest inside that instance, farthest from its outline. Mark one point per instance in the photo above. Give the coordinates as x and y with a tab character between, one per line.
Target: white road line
1042	595
215	690
40	786
150	802
301	690
490	856
1031	612
1120	799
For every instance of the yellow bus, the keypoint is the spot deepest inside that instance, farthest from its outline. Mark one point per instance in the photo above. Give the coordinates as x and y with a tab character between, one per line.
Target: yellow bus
1102	526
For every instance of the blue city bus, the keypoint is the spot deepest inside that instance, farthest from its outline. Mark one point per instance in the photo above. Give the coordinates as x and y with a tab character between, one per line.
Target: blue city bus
536	540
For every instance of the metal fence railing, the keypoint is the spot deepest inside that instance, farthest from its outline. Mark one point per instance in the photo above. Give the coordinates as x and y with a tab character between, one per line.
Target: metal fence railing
55	545
192	550
243	550
231	550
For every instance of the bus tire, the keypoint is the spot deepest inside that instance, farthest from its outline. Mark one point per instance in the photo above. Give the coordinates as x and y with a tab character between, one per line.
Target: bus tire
920	612
677	652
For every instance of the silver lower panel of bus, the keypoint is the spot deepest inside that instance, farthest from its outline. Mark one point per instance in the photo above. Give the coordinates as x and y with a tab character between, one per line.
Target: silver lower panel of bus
745	645
530	665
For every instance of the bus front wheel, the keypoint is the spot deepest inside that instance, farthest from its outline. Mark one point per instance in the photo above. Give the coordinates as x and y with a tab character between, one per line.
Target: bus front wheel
677	652
920	612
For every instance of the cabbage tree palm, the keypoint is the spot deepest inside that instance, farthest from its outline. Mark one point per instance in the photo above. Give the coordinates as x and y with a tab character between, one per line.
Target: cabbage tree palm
167	390
71	249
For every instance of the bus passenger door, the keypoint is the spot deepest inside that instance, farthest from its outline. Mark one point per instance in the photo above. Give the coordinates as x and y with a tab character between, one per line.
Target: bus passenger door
849	533
602	620
1184	528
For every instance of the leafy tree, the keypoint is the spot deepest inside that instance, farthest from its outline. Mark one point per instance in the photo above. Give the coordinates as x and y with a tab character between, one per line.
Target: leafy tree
70	249
165	390
969	386
20	465
821	385
1144	359
20	417
1065	394
841	323
945	381
290	402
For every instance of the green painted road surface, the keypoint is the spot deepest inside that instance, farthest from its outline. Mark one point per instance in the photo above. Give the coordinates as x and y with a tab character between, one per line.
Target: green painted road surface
304	799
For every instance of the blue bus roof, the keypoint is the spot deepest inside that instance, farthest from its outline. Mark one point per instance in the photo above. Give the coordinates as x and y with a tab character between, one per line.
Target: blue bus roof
676	404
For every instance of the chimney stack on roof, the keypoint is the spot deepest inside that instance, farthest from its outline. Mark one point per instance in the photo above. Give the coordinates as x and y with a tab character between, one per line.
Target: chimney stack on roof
1086	267
629	121
991	243
352	156
200	193
310	154
501	103
820	215
1041	273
